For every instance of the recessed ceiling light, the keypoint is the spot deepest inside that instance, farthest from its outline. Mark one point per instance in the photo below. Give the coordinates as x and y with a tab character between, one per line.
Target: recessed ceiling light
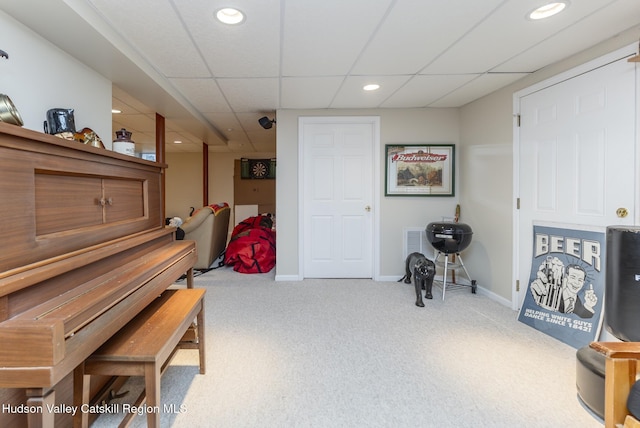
115	111
371	87
230	16
177	142
548	10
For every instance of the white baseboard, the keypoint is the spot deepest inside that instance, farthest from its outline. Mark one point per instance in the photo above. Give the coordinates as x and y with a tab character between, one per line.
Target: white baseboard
388	278
493	296
288	278
395	278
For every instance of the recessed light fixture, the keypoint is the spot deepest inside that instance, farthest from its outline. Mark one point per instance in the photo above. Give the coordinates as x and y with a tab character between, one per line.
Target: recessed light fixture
548	10
371	87
115	111
230	16
177	142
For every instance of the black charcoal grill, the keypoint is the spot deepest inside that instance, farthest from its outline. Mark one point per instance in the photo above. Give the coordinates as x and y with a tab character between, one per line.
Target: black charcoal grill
450	238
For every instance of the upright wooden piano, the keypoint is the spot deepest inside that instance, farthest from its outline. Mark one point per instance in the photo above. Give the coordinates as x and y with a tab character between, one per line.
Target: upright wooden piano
83	250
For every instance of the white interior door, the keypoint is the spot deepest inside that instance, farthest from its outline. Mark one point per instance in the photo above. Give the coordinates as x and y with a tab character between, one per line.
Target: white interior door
577	155
338	198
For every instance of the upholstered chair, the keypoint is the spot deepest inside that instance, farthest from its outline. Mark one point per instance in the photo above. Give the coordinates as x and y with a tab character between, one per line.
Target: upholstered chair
209	227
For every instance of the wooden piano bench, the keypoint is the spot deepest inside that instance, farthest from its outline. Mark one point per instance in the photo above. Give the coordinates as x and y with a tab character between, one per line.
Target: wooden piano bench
144	347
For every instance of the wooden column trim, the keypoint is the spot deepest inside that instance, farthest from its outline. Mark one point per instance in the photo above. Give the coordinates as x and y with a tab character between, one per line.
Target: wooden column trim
205	174
161	158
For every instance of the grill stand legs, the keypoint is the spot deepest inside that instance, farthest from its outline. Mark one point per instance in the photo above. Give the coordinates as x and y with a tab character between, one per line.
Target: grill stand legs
453	266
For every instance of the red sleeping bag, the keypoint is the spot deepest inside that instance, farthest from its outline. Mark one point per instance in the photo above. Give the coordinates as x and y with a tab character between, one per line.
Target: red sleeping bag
252	247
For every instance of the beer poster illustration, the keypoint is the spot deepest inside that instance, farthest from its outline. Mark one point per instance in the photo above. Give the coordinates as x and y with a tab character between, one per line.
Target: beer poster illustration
565	291
420	170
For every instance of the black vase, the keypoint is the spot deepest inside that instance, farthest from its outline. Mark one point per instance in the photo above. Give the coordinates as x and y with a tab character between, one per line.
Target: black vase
60	120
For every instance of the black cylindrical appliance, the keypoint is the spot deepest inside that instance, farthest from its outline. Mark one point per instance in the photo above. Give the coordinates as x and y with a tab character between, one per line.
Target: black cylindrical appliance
622	286
449	237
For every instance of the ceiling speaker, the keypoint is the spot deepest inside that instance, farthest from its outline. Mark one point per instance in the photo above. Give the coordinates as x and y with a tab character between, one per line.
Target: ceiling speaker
266	123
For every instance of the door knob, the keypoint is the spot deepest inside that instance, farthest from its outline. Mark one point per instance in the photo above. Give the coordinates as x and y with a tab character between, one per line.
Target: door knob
622	212
367	208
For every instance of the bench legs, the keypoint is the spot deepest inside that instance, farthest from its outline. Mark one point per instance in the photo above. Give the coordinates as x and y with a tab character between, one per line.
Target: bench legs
201	336
190	278
81	392
152	387
43	398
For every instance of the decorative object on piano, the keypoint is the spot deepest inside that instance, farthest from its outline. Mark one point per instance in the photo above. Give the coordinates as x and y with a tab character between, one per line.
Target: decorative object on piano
123	144
8	112
175	222
61	123
89	137
257	168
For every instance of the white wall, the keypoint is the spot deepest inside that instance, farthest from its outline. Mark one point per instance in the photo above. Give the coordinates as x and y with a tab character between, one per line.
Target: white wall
397	126
183	180
39	76
486	182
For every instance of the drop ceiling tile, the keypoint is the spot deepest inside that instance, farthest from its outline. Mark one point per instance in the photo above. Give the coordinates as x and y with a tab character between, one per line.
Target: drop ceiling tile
247	95
135	122
504	35
176	132
267	149
309	92
351	94
591	30
204	94
157	33
172	136
263	136
420	91
219	149
124	102
240	146
249	122
477	88
250	49
414	33
183	148
227	124
326	38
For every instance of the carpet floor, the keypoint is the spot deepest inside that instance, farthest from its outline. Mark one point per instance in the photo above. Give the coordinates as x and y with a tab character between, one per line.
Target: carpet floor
359	353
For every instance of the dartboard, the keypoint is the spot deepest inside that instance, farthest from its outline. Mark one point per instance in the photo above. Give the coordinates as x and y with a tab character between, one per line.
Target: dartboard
259	169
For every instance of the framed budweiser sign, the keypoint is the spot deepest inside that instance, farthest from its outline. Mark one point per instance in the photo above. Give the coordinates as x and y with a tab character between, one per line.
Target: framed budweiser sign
420	170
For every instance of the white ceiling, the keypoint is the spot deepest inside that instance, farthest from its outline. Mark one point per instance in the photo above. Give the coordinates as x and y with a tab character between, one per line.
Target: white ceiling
214	80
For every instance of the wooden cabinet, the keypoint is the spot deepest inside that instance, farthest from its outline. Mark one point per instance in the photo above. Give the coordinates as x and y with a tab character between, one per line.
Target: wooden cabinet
96	201
61	196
